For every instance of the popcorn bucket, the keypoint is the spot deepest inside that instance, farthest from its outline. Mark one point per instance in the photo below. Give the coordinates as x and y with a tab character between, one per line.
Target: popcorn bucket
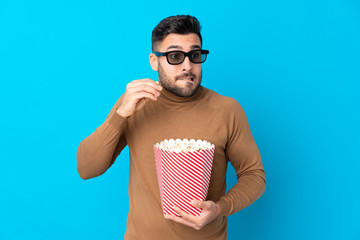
183	171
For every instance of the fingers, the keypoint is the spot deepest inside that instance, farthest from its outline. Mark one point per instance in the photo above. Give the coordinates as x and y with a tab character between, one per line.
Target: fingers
184	215
146	81
182	221
200	204
140	95
209	213
137	93
144	86
192	221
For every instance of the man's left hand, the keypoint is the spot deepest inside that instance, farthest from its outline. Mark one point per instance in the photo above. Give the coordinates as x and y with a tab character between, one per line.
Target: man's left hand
209	212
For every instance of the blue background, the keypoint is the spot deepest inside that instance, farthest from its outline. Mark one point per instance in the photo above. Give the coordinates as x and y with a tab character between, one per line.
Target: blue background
292	65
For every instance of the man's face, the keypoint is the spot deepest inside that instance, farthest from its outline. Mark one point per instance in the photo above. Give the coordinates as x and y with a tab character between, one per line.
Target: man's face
183	79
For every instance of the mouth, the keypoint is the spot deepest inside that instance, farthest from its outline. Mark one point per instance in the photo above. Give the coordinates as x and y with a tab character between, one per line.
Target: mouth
187	79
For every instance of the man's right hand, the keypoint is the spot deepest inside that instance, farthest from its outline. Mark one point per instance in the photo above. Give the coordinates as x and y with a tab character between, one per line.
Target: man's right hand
137	93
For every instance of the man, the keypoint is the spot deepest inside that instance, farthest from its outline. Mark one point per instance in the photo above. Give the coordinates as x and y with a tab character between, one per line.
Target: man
176	107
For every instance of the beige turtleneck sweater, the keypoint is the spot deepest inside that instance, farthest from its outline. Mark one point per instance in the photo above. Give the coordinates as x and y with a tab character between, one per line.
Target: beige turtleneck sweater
207	116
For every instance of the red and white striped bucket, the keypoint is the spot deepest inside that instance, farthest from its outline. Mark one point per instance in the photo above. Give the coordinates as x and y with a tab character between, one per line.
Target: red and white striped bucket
182	177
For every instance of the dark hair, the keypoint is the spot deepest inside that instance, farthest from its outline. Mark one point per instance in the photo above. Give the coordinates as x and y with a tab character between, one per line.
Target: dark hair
181	24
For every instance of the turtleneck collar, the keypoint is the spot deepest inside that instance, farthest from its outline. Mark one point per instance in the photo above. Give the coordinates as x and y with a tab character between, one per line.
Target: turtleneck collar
168	96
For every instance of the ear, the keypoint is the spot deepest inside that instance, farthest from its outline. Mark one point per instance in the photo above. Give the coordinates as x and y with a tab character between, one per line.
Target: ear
153	61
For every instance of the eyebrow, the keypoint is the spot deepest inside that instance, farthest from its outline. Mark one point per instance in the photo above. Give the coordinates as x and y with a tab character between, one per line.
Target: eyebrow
179	47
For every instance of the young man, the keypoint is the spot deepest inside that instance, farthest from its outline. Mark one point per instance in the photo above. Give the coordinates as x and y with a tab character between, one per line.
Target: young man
176	107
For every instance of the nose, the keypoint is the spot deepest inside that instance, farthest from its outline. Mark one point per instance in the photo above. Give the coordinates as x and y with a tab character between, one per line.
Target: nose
186	64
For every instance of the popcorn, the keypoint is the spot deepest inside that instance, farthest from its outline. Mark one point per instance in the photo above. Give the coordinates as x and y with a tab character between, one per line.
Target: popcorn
184	145
183	170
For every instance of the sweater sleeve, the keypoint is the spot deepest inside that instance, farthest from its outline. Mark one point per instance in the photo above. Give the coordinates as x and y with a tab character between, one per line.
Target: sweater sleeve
243	154
97	152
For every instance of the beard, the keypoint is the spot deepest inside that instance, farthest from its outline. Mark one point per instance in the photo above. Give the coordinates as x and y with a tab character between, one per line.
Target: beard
189	90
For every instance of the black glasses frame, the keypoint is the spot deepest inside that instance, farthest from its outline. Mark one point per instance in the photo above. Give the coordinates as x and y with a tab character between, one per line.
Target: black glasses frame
188	54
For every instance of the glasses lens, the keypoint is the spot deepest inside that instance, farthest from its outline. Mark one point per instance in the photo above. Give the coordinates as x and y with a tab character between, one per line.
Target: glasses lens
195	56
175	57
203	57
198	56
